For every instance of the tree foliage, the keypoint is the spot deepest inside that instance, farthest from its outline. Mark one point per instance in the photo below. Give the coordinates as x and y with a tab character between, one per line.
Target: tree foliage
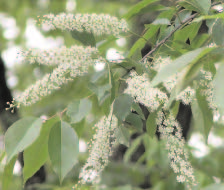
184	64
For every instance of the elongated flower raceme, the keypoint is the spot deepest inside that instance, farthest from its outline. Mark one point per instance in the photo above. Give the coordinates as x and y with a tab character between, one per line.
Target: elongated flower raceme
100	149
171	133
98	24
58	56
139	88
69	67
170	130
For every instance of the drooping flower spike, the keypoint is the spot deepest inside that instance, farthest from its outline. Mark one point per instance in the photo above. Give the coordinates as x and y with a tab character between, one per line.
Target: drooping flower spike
98	24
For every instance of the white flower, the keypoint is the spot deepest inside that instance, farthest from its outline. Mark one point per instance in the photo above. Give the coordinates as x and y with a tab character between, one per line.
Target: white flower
98	24
100	149
139	87
72	62
57	56
171	133
186	96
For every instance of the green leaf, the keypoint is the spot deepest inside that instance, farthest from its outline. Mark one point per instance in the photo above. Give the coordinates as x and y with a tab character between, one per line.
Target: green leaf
84	37
102	92
135	121
137	8
63	147
189	31
151	125
202	114
21	135
178	64
175	108
140	43
206	113
200	40
202	6
79	109
183	15
218	31
8	173
123	135
215	16
137	108
161	21
36	155
122	106
218	88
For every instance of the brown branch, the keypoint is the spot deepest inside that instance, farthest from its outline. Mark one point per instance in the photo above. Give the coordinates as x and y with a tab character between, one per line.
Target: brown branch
171	33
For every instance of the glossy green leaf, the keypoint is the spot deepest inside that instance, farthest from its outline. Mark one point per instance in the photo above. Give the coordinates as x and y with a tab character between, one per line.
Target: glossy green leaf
182	15
218	31
202	6
202	114
79	109
188	32
102	92
123	135
161	21
36	155
140	43
215	16
218	88
63	148
8	174
200	40
21	135
137	8
206	112
137	108
151	125
178	64
122	106
135	121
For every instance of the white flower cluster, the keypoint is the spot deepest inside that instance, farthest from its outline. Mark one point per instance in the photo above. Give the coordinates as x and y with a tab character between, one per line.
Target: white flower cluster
207	89
57	56
100	150
187	95
171	133
98	24
69	67
139	87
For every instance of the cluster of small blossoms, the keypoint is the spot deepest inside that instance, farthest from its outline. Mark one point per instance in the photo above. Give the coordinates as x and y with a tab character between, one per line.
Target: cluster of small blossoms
175	147
139	87
100	150
206	87
57	56
66	71
98	24
187	95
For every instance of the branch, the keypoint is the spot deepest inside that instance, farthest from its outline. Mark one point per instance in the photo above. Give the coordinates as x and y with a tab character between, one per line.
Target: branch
171	33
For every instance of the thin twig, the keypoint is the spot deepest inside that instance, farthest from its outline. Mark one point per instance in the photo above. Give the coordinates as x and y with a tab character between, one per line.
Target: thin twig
171	33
